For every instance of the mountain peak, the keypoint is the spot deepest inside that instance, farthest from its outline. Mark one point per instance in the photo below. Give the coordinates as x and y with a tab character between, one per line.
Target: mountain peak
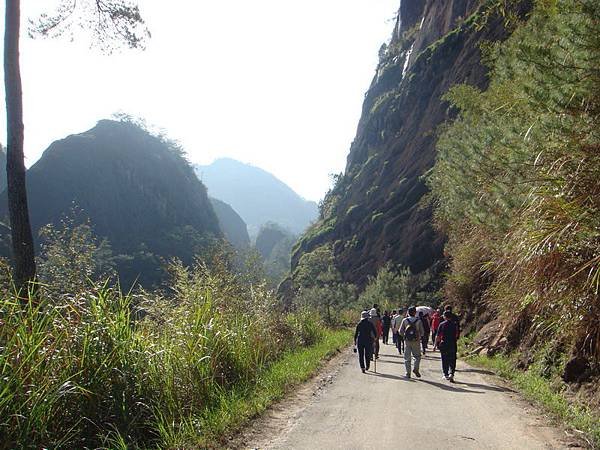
257	195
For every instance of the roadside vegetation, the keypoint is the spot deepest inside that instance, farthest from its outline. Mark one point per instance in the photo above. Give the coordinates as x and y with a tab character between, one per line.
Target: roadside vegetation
516	188
85	365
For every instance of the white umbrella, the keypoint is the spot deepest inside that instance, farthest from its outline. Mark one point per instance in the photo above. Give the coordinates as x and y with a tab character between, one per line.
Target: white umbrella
427	310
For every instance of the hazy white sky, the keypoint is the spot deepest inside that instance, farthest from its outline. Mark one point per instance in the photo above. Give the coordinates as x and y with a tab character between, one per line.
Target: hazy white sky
274	83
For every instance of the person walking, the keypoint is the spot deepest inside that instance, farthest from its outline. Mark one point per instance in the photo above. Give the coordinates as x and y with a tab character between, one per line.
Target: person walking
364	335
436	319
394	330
386	323
426	330
454	318
447	336
376	321
411	330
396	326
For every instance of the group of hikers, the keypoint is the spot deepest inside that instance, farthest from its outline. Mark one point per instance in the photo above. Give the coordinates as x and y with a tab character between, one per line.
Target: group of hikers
410	335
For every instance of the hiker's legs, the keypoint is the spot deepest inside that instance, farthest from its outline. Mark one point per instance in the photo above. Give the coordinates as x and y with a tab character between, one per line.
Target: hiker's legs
433	336
445	362
400	344
412	348
416	353
407	357
424	340
368	355
452	361
361	356
386	335
395	339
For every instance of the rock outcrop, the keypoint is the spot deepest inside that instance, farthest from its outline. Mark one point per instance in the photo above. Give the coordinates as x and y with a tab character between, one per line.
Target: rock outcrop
136	189
232	224
376	211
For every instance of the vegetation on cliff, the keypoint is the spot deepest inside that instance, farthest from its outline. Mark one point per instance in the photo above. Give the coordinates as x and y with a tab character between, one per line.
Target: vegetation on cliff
516	188
375	213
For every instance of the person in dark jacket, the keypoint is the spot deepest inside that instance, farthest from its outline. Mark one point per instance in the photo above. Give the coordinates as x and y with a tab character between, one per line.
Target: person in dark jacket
447	337
364	336
454	318
387	323
426	330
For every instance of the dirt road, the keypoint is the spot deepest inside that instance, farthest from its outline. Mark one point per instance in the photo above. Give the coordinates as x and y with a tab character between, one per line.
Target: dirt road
383	410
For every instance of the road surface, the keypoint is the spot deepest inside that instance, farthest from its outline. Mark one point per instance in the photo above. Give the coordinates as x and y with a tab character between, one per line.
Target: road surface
350	410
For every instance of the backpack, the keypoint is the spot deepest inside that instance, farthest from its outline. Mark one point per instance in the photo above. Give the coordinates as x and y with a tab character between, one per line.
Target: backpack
410	332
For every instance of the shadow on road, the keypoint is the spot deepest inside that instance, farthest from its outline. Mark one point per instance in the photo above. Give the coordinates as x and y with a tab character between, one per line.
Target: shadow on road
392	377
389	361
450	387
481	371
486	387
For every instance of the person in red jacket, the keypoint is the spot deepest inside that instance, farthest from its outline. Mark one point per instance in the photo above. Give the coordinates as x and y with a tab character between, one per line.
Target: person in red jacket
376	321
436	319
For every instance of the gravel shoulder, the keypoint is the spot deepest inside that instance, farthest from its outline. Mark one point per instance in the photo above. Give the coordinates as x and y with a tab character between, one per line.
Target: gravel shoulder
342	408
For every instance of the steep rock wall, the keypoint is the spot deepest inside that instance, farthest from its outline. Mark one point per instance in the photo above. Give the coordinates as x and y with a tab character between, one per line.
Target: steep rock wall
375	212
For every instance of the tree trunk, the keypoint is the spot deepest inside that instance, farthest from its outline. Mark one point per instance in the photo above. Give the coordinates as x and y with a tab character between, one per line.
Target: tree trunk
22	239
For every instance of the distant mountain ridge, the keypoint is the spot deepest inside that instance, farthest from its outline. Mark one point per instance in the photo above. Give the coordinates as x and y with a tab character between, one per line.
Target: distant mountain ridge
257	195
137	190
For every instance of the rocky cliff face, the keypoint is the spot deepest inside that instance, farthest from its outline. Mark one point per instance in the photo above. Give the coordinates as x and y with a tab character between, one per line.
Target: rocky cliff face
136	189
375	212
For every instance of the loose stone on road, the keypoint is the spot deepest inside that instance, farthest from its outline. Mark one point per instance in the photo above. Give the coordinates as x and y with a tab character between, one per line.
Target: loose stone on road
384	410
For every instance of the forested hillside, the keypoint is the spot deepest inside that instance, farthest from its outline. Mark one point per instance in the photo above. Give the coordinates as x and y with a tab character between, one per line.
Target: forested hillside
136	190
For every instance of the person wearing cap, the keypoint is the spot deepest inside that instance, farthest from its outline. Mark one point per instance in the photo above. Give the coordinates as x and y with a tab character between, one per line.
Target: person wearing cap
364	335
411	330
447	336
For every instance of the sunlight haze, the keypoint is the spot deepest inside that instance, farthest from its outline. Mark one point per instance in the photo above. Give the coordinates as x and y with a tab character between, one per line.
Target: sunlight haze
275	84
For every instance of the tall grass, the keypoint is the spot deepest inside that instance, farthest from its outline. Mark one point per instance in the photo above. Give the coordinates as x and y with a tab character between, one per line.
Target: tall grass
103	369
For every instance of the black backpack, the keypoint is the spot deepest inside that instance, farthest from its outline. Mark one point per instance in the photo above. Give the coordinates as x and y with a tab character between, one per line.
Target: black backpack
410	332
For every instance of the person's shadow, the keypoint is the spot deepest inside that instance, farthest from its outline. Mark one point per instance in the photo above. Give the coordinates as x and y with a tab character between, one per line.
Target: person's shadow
449	387
391	377
485	386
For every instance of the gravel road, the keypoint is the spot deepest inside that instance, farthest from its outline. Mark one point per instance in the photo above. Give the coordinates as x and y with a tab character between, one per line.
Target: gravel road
383	410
